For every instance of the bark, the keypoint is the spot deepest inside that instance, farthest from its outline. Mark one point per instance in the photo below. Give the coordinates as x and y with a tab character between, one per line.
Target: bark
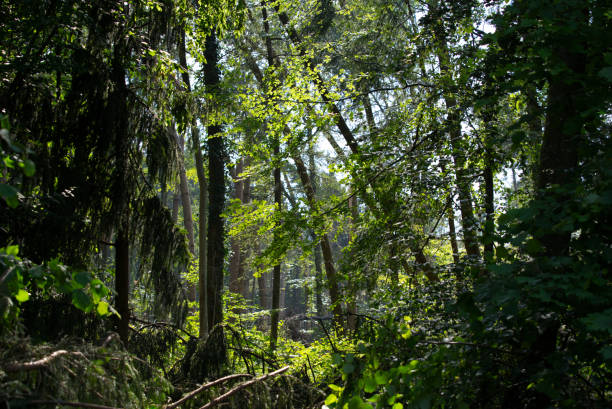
202	232
489	228
453	120
276	276
351	303
122	283
264	293
236	283
176	198
559	153
317	249
452	235
186	202
216	187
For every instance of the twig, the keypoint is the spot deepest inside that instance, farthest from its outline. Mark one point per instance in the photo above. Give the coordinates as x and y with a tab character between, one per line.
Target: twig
470	344
161	323
314	379
74	404
26	366
203	388
6	274
243	385
331	343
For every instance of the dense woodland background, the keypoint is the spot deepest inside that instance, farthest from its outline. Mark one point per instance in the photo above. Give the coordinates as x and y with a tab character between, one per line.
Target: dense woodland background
342	204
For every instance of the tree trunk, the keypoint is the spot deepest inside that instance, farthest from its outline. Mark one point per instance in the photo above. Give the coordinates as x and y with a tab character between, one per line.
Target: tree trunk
216	171
489	227
453	121
276	276
452	235
317	250
236	282
186	202
122	283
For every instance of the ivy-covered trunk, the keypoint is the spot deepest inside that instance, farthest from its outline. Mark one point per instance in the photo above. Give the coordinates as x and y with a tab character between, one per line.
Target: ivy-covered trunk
216	188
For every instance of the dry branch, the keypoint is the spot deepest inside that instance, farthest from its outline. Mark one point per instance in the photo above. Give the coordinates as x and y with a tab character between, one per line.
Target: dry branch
203	388
25	366
243	385
73	404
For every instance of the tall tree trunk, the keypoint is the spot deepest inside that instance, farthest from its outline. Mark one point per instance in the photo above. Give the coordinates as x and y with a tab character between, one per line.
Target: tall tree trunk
489	227
216	171
122	283
276	276
452	235
318	279
186	202
351	302
317	250
264	292
236	283
453	121
176	201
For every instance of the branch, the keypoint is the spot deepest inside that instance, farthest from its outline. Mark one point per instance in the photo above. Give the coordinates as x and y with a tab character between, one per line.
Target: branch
26	366
203	388
471	344
74	404
243	385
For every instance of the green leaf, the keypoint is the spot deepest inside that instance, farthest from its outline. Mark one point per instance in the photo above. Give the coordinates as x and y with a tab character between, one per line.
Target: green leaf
22	295
29	168
331	399
11	250
82	300
9	194
380	377
348	368
606	73
82	278
102	308
369	385
335	388
357	403
397	405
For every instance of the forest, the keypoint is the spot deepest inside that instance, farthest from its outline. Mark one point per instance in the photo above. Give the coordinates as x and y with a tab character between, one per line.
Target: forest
331	204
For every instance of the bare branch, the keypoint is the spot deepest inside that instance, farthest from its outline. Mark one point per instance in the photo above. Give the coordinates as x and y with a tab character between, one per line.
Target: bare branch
26	366
204	387
243	385
73	404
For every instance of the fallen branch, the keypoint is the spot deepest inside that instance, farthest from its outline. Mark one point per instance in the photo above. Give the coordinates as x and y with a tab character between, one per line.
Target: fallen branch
246	384
203	388
26	366
74	404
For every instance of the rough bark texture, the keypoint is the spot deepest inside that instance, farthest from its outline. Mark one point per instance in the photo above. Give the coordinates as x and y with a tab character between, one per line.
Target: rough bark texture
216	188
